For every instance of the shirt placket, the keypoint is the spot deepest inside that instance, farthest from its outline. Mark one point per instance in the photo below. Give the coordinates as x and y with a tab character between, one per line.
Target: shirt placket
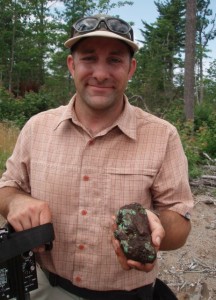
90	209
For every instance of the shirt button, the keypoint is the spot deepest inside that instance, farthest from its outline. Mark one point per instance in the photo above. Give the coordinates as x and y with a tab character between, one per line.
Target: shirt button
84	212
78	279
188	215
91	142
85	177
81	247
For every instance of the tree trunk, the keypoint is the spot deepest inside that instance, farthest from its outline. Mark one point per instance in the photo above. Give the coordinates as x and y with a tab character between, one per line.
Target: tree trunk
14	20
189	76
201	81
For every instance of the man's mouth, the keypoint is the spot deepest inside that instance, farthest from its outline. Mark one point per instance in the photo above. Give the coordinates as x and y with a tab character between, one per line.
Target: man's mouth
96	86
100	89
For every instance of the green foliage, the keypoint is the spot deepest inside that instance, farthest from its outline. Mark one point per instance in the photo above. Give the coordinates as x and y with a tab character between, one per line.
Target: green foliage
191	146
175	116
8	106
205	126
210	83
205	26
8	137
3	158
20	110
160	55
197	137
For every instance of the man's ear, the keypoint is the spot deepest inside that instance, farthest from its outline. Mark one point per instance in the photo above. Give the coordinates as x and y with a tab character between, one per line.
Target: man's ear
70	64
132	68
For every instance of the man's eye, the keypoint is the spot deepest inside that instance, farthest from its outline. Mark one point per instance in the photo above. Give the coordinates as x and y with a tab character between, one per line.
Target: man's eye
88	58
115	60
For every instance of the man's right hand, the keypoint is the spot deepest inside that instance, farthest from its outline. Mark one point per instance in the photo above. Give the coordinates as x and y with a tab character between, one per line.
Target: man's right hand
23	211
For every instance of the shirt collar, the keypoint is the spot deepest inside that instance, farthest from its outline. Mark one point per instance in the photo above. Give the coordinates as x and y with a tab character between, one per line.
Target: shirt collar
126	121
68	113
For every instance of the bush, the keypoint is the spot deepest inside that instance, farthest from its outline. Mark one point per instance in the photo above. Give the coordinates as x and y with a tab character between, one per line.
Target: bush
8	137
197	137
8	106
191	146
19	110
205	127
32	104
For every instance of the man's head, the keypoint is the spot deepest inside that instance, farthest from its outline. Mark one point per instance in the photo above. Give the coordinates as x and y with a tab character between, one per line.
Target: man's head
101	64
102	26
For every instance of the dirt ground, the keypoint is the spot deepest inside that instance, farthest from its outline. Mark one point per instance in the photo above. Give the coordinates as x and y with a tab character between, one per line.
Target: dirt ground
191	271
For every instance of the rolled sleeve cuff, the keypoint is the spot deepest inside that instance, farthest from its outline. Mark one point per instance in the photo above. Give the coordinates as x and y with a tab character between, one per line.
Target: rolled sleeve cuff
10	183
182	209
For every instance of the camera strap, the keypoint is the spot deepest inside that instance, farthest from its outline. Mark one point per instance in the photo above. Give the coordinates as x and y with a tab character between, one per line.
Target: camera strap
22	241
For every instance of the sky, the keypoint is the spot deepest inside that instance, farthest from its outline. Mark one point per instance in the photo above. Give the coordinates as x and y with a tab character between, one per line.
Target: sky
146	10
141	10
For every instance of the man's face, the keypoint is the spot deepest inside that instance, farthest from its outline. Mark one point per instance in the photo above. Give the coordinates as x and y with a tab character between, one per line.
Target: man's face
101	68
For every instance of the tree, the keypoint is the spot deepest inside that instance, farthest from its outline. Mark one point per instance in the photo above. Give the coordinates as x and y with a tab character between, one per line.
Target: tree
163	43
25	43
206	31
164	47
40	33
11	28
189	77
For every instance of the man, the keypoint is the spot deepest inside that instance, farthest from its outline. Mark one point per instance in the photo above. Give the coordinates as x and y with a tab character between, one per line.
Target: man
78	164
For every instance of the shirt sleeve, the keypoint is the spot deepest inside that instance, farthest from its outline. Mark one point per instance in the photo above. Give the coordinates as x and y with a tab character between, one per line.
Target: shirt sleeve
171	189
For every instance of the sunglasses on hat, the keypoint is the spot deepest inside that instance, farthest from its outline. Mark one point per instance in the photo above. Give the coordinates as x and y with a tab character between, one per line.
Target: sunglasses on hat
112	24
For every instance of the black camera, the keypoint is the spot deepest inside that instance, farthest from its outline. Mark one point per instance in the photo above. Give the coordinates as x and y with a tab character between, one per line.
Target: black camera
18	275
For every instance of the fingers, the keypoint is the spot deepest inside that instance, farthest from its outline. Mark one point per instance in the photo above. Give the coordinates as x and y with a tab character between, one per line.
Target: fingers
120	255
27	212
45	214
19	220
157	233
117	248
129	264
124	262
39	249
139	266
157	230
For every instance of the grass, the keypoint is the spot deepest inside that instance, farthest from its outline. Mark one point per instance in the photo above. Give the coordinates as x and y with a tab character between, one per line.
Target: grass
8	137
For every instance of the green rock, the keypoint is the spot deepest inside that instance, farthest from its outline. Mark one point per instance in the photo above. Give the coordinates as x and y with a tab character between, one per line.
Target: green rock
134	234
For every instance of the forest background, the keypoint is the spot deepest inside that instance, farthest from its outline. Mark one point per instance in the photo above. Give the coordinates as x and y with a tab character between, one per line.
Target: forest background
34	75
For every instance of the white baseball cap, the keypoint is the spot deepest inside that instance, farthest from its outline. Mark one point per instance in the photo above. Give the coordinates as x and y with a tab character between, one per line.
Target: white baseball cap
102	26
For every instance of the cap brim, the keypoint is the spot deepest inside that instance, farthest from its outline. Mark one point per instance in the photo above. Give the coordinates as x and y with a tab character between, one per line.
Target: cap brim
100	33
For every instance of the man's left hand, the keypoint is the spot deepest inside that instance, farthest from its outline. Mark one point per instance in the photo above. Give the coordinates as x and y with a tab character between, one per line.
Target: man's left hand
157	234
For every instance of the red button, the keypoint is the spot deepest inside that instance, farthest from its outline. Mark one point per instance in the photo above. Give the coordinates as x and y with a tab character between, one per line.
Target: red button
91	142
78	279
85	178
84	212
81	247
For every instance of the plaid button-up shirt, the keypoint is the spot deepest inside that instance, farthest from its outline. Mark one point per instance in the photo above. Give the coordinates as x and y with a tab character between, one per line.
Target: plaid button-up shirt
87	179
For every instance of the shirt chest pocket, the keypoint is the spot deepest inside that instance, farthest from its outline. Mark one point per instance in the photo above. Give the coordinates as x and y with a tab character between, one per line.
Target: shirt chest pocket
125	185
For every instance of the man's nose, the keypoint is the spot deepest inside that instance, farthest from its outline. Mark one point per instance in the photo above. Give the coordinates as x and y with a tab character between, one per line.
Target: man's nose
101	72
